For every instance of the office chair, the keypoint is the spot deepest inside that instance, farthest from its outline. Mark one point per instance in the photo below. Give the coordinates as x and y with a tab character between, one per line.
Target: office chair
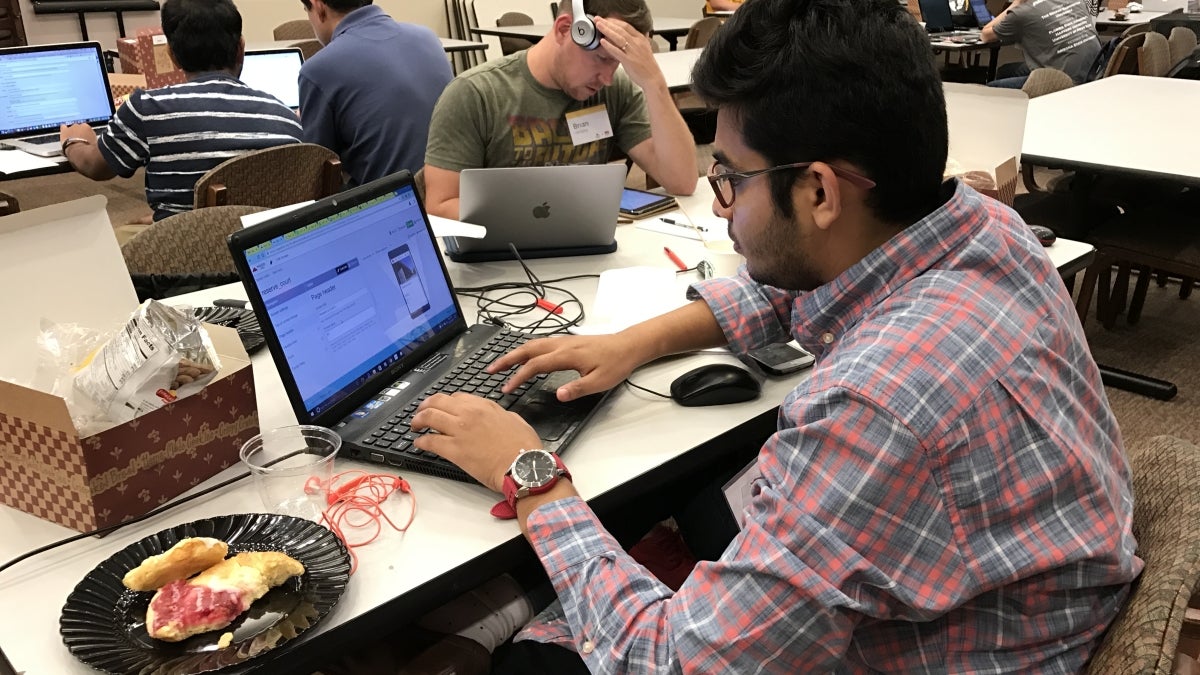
298	29
701	32
512	45
272	177
1166	521
308	47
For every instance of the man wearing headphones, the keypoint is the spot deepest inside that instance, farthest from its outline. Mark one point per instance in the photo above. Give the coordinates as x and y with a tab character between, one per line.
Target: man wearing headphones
516	111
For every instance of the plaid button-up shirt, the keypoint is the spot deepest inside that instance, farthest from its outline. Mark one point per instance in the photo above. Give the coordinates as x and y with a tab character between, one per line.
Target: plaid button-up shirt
947	492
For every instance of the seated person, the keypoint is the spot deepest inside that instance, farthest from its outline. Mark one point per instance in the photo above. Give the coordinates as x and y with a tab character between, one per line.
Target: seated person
181	131
1051	34
947	492
369	93
512	111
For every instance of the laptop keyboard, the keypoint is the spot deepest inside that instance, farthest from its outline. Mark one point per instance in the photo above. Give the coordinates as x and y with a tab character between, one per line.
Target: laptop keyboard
52	138
397	434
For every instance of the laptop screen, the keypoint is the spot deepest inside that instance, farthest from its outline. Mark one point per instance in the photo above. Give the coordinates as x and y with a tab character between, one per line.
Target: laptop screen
982	16
276	72
42	88
352	293
936	15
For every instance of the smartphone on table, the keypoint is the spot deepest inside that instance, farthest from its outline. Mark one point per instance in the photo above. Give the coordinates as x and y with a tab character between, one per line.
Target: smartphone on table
781	358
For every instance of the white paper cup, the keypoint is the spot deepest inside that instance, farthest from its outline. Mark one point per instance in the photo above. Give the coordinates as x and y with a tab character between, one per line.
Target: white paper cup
292	467
724	260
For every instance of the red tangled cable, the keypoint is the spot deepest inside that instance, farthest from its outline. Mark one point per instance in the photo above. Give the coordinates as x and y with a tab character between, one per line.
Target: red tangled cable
358	503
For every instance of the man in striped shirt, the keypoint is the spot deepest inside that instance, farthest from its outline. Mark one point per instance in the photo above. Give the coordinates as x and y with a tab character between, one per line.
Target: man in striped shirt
181	131
947	492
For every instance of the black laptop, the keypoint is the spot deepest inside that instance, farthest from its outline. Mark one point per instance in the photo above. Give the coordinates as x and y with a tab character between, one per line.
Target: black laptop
937	16
360	316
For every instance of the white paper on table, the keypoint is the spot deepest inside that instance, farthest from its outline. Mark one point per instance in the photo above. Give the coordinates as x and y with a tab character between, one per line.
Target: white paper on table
679	227
615	308
442	227
15	161
66	263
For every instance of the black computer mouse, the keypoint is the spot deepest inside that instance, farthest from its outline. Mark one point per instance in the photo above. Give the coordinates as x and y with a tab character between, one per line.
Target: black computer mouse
1044	234
715	384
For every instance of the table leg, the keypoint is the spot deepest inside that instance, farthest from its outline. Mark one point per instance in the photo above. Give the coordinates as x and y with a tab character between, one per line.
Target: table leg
1137	383
83	26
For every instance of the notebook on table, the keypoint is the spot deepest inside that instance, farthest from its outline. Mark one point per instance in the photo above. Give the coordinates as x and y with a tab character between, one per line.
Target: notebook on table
47	86
361	319
275	71
544	211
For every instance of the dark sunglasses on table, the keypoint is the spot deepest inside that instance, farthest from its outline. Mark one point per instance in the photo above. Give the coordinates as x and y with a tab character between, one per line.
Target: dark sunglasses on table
724	184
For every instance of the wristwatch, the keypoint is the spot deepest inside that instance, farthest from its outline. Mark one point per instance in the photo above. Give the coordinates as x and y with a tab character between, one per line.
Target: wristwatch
532	472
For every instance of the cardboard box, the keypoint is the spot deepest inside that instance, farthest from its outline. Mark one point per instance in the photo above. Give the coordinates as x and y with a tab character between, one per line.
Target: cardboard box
122	85
127	53
987	129
154	59
46	468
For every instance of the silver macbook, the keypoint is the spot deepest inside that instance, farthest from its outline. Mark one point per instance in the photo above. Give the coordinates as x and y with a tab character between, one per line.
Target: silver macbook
543	211
275	71
46	86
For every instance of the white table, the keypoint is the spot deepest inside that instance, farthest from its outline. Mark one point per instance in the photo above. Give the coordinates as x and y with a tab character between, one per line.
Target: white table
1125	124
670	28
1105	19
677	67
452	542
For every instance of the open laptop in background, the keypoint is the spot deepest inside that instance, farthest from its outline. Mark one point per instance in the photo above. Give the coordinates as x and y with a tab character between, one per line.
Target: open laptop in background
544	211
275	71
46	86
360	316
936	15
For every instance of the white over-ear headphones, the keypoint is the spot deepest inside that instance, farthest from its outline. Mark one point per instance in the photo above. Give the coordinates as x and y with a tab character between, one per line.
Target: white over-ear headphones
583	30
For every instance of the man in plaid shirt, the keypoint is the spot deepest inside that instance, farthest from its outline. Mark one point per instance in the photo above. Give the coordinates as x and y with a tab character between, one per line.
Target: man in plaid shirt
947	491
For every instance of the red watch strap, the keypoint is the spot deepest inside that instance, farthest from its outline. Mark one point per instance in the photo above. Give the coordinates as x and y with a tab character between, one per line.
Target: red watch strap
506	509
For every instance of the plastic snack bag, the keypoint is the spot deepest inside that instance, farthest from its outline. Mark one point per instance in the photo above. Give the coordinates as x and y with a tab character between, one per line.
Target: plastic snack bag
160	355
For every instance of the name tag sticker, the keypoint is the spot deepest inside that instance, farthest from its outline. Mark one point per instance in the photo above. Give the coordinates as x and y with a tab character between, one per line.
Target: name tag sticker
589	125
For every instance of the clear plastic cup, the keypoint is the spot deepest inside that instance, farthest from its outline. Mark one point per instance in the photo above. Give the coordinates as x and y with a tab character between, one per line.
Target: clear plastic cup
293	467
720	254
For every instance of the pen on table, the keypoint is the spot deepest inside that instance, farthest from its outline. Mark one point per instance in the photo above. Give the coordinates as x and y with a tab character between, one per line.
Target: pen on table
670	221
675	259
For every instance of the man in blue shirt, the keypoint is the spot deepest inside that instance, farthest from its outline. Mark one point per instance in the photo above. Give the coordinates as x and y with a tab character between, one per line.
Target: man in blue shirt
369	93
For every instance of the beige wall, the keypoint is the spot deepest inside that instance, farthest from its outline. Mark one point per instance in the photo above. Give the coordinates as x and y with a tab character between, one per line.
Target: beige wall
260	16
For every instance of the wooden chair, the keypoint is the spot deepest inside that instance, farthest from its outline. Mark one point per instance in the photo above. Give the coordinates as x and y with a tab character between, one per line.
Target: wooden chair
8	204
701	32
273	177
1154	56
191	243
1163	238
1044	81
1144	637
308	47
1124	59
299	29
512	45
1182	43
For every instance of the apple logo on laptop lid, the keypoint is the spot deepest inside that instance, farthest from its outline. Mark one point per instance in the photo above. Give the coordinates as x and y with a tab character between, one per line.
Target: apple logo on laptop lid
542	210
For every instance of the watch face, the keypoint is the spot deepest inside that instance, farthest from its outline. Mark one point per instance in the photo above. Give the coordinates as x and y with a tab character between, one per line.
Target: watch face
534	468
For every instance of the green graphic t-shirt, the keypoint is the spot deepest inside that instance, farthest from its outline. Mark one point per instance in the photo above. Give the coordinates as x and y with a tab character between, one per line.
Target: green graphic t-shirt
498	115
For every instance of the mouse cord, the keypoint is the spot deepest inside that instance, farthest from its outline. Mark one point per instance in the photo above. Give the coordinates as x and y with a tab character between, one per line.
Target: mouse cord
630	383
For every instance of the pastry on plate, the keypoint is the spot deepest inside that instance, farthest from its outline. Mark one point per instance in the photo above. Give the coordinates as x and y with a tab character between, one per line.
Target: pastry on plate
214	598
185	558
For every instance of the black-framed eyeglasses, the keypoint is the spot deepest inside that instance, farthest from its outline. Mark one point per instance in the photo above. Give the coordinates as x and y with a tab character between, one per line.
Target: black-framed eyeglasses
724	184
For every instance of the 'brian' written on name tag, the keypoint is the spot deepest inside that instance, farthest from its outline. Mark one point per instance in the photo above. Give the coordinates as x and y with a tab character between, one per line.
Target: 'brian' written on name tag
589	125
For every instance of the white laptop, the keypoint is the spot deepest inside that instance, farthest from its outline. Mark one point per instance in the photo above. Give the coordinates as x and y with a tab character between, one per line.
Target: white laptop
275	71
46	86
542	211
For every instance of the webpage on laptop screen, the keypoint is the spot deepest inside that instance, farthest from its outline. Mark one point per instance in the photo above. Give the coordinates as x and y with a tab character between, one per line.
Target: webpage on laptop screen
351	294
43	89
